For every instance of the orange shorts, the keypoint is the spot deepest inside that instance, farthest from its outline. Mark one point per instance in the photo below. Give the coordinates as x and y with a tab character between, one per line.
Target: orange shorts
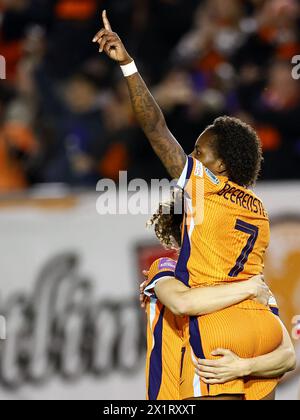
248	329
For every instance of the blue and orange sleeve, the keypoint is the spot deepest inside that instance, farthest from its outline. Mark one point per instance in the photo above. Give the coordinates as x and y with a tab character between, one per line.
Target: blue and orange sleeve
186	173
161	268
195	172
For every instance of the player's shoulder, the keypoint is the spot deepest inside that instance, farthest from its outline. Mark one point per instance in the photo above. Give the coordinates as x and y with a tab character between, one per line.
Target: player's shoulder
243	198
195	172
199	171
160	268
194	168
161	265
197	177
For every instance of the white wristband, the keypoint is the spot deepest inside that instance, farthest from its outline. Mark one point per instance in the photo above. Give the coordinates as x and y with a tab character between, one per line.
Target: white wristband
129	69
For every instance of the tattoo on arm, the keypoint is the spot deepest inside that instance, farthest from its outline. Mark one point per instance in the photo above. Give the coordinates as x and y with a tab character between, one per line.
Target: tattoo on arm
153	123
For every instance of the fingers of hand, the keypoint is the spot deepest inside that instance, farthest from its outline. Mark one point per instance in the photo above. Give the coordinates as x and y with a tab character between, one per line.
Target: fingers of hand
107	42
264	294
213	381
106	21
221	352
109	46
212	378
209	363
207	369
143	300
143	285
100	34
206	375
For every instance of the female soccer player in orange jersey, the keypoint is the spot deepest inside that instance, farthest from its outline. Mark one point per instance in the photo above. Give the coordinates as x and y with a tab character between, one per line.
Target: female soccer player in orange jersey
165	345
225	228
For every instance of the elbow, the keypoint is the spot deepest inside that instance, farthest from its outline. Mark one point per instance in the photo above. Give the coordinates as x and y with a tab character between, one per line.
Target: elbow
291	360
180	307
183	306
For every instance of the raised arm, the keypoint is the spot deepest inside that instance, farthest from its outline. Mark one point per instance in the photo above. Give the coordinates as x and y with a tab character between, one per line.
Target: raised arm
181	300
146	109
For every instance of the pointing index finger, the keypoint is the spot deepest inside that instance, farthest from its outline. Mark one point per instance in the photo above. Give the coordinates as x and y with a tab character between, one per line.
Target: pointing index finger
106	21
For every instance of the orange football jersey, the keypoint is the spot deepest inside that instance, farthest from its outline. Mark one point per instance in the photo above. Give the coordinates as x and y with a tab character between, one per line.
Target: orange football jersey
226	230
225	236
164	339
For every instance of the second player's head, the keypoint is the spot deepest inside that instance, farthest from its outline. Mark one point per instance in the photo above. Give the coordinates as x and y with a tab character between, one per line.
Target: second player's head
167	221
231	148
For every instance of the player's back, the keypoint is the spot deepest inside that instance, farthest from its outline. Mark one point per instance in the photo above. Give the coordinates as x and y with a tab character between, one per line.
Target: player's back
226	233
164	339
226	230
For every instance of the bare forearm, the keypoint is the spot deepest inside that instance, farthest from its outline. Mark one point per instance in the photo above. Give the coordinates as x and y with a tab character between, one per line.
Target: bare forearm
200	301
275	364
206	300
272	365
152	122
230	366
146	109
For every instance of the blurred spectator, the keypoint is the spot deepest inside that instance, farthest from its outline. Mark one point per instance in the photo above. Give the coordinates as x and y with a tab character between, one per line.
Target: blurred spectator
277	114
79	137
18	145
64	109
74	24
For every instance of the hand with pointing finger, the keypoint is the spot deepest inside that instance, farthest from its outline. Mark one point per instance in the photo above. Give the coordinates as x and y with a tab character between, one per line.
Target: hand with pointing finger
111	44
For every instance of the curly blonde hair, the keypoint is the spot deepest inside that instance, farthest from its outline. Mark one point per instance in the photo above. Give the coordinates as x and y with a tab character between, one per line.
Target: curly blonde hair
167	222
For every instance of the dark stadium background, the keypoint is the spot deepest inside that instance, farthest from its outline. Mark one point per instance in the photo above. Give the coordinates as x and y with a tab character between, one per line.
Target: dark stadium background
66	122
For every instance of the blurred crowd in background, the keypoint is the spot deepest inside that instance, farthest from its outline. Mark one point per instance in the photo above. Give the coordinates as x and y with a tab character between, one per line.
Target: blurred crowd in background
65	114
